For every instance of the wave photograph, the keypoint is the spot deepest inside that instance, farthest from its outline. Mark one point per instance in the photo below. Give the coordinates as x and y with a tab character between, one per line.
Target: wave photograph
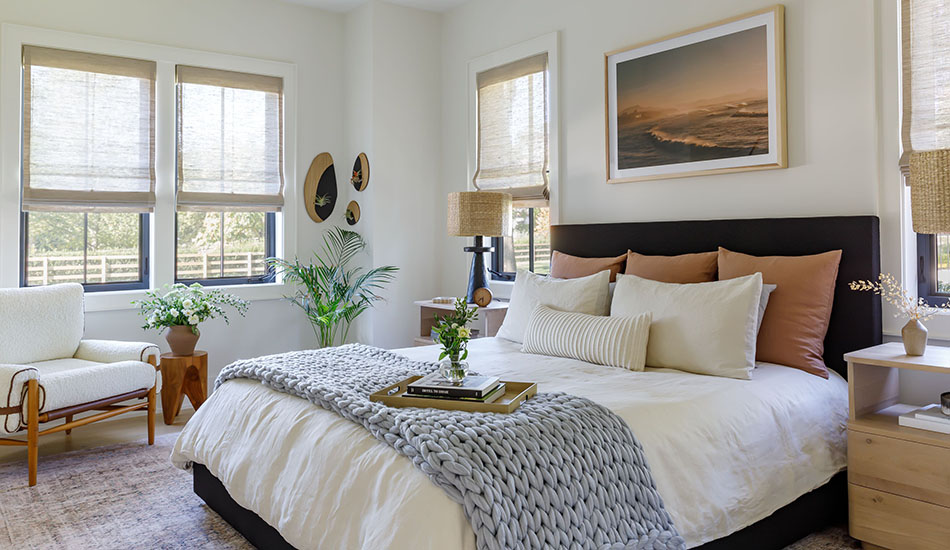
703	101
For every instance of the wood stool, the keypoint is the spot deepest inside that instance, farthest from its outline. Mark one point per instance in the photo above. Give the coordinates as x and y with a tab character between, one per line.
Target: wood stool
183	375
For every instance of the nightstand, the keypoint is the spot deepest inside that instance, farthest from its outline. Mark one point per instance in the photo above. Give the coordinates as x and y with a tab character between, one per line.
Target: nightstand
183	375
488	323
898	477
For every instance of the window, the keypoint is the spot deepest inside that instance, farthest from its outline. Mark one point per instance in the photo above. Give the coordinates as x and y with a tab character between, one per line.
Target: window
513	156
230	174
88	168
925	121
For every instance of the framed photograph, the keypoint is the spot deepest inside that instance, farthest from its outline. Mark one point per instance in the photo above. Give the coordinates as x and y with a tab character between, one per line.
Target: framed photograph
704	101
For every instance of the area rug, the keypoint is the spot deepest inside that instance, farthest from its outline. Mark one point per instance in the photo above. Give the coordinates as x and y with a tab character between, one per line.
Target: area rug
130	496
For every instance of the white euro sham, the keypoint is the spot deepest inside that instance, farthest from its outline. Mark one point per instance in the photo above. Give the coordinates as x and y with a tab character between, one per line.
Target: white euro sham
705	328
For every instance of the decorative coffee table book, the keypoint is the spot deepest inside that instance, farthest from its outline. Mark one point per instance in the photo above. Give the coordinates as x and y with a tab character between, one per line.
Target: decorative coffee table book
473	387
515	393
926	418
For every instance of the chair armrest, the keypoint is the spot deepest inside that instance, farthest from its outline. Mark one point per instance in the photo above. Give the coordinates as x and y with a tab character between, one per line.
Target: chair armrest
13	379
112	351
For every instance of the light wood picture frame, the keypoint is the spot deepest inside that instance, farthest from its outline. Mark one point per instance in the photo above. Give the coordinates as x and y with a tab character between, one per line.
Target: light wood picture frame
707	100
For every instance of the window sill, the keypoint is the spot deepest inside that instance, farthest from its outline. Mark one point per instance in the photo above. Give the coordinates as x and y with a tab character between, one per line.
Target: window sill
118	300
501	290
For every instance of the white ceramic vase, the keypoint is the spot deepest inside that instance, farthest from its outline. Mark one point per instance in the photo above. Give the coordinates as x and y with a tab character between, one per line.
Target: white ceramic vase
914	335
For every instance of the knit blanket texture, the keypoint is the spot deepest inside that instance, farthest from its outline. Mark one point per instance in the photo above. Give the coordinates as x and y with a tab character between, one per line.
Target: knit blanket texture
559	472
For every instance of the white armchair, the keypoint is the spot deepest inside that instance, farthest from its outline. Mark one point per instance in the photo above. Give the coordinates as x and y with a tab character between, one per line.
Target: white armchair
48	371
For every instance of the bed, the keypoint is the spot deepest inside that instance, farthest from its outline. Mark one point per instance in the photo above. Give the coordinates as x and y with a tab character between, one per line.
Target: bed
739	464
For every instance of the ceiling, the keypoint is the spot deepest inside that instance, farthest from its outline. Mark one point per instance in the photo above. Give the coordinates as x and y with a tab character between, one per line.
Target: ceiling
347	5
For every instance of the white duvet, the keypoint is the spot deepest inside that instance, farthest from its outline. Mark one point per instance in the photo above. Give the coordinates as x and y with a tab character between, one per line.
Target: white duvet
724	453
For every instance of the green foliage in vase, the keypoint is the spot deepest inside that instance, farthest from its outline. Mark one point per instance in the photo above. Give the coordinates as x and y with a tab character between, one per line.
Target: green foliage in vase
186	305
330	293
452	332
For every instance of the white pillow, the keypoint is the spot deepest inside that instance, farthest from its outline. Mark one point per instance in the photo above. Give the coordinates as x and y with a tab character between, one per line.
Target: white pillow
611	341
581	295
706	328
767	290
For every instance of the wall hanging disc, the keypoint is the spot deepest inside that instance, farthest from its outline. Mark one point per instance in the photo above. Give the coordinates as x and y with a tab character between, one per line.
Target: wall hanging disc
360	176
319	188
352	213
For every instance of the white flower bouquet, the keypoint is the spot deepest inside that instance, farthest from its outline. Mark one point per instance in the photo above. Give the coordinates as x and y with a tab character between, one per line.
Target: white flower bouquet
180	305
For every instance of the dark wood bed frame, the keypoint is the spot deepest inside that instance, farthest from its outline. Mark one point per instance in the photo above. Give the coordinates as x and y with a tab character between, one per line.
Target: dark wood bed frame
855	323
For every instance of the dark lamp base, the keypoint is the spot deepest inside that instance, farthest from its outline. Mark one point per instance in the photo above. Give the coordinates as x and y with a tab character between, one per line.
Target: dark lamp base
478	275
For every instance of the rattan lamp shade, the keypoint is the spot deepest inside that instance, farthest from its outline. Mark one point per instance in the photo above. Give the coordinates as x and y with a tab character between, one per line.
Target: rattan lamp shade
479	214
930	191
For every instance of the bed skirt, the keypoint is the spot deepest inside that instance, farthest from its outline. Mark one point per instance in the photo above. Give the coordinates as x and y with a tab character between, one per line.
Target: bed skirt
811	512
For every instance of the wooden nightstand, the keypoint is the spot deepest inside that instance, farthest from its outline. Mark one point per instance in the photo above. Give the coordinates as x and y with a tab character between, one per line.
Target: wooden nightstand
898	477
488	323
183	375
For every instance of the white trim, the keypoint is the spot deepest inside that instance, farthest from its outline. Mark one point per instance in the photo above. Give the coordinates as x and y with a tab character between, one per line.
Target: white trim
547	43
163	224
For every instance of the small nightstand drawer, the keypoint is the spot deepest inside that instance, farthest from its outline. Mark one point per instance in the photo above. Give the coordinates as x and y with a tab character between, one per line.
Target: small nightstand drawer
897	466
897	522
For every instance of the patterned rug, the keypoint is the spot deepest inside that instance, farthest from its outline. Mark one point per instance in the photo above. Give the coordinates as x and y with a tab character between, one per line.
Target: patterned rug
130	496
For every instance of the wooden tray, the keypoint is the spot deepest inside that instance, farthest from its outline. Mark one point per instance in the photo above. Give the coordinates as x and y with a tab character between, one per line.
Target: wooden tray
515	394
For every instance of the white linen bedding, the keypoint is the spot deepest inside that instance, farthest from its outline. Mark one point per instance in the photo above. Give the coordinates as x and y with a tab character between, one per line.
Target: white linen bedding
724	453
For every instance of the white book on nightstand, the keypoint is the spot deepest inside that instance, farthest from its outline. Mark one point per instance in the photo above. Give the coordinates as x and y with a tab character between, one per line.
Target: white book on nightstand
933	414
911	420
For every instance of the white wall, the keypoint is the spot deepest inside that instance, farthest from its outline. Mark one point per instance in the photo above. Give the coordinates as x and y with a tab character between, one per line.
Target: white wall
310	38
393	96
832	120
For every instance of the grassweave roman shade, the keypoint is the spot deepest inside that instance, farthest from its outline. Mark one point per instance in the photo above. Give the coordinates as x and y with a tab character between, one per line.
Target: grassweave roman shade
512	154
925	44
230	141
88	131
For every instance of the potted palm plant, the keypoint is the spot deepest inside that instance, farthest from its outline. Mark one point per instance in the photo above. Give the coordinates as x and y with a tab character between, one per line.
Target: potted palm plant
330	293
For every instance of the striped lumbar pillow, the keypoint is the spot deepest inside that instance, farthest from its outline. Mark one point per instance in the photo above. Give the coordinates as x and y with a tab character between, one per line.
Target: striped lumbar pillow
612	341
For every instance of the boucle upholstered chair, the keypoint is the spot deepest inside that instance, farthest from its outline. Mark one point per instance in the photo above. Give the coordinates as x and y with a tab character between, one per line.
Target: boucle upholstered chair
48	371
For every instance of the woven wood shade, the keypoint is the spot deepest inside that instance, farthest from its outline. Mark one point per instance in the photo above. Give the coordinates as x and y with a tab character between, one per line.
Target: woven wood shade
479	213
930	191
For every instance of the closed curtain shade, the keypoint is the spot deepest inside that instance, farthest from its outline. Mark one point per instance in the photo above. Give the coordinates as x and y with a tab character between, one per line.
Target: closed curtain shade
925	44
513	131
88	131
230	141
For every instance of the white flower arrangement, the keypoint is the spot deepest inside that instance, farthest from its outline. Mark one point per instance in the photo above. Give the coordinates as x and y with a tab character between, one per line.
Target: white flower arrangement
893	293
186	305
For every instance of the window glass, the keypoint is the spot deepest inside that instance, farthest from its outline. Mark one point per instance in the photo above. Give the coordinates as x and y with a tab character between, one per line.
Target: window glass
529	246
214	245
77	247
942	264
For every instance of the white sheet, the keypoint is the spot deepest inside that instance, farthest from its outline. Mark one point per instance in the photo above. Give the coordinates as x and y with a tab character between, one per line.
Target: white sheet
724	453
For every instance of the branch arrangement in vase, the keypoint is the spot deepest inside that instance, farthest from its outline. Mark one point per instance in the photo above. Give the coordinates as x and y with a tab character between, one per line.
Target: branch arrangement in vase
331	294
914	333
181	308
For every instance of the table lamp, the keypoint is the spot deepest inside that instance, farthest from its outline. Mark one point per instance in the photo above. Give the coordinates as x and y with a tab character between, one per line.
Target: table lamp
478	214
930	191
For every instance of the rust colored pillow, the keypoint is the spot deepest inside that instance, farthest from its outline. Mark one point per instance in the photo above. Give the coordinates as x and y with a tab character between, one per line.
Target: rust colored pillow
685	268
796	320
565	266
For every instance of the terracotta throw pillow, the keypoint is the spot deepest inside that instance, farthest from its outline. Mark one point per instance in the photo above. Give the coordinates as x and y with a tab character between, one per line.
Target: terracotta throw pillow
565	266
685	268
796	321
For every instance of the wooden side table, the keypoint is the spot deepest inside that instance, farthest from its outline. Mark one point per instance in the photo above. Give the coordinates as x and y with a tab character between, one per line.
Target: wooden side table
183	375
898	477
489	317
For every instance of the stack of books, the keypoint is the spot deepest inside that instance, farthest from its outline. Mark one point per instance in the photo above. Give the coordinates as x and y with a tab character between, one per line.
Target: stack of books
481	389
926	418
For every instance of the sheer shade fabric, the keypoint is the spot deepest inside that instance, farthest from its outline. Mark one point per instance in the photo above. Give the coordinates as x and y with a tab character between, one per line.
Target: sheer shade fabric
88	132
925	44
230	141
513	131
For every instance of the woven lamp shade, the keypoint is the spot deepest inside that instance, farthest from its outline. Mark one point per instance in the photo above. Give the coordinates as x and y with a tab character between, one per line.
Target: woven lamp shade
479	214
930	191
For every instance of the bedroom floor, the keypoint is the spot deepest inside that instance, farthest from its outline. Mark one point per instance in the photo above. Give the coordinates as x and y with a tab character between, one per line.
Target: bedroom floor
102	487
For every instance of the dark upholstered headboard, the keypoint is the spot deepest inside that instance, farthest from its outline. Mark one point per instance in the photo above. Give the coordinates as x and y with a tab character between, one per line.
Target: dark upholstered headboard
855	317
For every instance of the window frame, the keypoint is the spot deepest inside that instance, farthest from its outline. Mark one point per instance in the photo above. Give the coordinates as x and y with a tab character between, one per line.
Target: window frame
498	254
927	270
270	241
161	249
144	257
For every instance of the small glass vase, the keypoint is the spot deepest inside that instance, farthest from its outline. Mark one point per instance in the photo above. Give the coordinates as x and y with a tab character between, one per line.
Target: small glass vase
454	371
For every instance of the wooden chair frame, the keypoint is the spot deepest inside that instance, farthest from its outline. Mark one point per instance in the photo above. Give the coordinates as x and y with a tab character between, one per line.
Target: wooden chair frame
108	406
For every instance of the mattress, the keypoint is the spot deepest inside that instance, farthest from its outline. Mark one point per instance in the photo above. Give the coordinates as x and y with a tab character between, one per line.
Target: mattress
724	453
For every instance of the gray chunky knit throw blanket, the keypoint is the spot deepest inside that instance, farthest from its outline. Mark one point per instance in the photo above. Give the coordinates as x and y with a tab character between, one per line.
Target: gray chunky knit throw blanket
559	472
